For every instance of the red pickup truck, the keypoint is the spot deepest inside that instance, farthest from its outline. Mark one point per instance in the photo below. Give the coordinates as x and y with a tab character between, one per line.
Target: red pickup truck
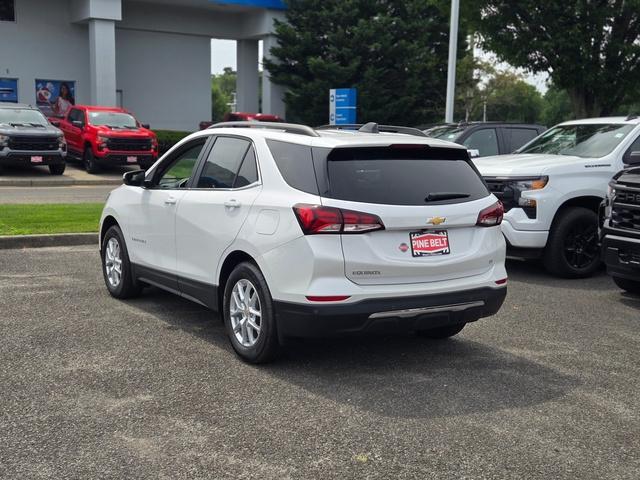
101	136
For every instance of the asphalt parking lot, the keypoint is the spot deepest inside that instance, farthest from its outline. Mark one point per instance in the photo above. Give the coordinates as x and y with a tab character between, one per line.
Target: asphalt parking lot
93	387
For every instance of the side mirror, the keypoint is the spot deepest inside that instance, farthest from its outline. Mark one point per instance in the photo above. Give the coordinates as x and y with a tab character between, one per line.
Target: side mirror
54	121
135	178
77	124
473	153
145	125
632	158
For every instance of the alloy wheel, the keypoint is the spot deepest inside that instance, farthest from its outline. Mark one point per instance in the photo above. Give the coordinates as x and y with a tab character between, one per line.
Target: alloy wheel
245	313
113	262
581	245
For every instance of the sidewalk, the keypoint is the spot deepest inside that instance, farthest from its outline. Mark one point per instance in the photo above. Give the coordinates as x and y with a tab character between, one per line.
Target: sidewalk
73	175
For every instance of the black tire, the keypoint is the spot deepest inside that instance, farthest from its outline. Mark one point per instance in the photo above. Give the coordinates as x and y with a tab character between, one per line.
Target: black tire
89	161
127	287
57	169
631	286
266	344
441	333
573	250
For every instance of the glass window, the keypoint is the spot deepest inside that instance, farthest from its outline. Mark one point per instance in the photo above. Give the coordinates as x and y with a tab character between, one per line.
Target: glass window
295	164
517	137
179	171
7	11
248	173
22	117
223	163
112	119
485	141
449	133
582	140
402	176
76	115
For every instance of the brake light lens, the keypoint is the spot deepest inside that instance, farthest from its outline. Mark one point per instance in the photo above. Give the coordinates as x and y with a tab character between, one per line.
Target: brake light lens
491	216
316	219
327	298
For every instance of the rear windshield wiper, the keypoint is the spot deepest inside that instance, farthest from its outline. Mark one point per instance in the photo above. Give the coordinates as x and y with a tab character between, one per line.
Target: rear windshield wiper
434	197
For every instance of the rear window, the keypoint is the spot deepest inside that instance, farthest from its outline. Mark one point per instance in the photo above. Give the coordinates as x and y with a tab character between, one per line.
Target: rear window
402	176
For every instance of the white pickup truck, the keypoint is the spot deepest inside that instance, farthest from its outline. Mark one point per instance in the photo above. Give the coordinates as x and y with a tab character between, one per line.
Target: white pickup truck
551	189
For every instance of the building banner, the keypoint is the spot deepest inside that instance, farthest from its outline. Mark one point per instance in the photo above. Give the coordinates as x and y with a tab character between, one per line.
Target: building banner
9	90
55	97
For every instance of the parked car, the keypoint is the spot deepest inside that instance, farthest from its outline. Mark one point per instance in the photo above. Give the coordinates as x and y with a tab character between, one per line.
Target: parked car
27	138
552	187
105	136
621	225
244	117
291	231
487	138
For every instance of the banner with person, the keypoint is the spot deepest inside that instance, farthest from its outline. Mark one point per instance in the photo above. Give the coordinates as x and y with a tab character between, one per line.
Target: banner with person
55	97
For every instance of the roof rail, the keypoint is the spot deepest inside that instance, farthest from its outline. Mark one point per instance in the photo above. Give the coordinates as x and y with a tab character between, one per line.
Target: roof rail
286	127
373	127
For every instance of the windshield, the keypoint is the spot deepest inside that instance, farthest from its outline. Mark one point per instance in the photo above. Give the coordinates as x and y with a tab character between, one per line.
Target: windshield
112	119
589	141
444	132
19	116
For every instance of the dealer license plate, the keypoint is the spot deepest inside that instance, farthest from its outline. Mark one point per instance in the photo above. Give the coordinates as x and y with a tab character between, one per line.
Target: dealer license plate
424	244
132	159
36	159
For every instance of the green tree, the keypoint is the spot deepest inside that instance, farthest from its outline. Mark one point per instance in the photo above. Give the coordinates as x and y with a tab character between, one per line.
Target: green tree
222	88
557	107
591	48
510	99
393	52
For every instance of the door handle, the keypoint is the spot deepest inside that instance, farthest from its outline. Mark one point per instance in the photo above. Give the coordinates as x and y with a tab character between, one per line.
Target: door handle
170	200
233	203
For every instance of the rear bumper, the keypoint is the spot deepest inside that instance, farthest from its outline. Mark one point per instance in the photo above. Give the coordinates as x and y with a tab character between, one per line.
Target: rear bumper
397	314
622	256
24	158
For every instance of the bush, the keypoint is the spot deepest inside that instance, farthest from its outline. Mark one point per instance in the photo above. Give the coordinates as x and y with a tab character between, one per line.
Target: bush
168	138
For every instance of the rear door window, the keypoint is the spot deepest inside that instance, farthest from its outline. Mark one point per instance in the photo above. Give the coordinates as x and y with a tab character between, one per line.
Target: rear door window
402	176
517	137
485	141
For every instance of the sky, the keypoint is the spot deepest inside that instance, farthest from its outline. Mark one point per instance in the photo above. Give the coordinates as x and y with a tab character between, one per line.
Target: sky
223	54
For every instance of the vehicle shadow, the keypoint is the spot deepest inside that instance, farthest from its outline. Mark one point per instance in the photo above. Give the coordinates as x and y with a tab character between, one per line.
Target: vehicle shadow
397	376
533	272
630	300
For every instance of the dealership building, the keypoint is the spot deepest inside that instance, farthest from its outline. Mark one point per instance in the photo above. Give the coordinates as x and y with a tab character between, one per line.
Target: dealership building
152	57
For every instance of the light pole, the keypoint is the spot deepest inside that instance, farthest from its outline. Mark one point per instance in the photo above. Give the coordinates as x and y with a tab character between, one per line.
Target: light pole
453	50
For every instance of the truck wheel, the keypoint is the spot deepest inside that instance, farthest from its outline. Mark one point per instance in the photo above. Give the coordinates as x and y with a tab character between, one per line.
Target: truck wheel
441	333
89	160
249	317
572	250
57	169
631	286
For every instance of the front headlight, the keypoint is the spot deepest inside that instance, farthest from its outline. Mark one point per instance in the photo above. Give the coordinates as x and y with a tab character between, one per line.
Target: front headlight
4	139
608	202
527	185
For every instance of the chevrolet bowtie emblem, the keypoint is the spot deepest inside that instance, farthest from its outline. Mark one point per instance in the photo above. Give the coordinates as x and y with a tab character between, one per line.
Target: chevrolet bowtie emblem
436	220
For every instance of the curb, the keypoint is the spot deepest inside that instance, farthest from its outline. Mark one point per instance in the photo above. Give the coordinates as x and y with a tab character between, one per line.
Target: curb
54	240
63	182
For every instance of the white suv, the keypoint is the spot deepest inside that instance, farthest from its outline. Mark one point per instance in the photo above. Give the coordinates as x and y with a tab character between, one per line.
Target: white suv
291	232
552	187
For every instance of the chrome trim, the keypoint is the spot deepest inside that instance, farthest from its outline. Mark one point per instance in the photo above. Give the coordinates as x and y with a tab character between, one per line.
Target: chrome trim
622	239
414	312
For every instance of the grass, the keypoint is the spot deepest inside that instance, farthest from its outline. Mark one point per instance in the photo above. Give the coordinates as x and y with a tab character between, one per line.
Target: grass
26	219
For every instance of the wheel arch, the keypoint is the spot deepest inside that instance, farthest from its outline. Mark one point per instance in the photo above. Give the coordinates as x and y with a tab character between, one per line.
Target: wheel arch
108	222
231	261
590	202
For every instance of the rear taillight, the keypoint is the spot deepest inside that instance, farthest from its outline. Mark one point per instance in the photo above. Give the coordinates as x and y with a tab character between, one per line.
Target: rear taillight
491	216
316	219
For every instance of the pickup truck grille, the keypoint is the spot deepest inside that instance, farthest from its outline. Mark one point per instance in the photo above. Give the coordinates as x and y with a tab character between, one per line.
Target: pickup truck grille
34	143
129	144
503	191
625	211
